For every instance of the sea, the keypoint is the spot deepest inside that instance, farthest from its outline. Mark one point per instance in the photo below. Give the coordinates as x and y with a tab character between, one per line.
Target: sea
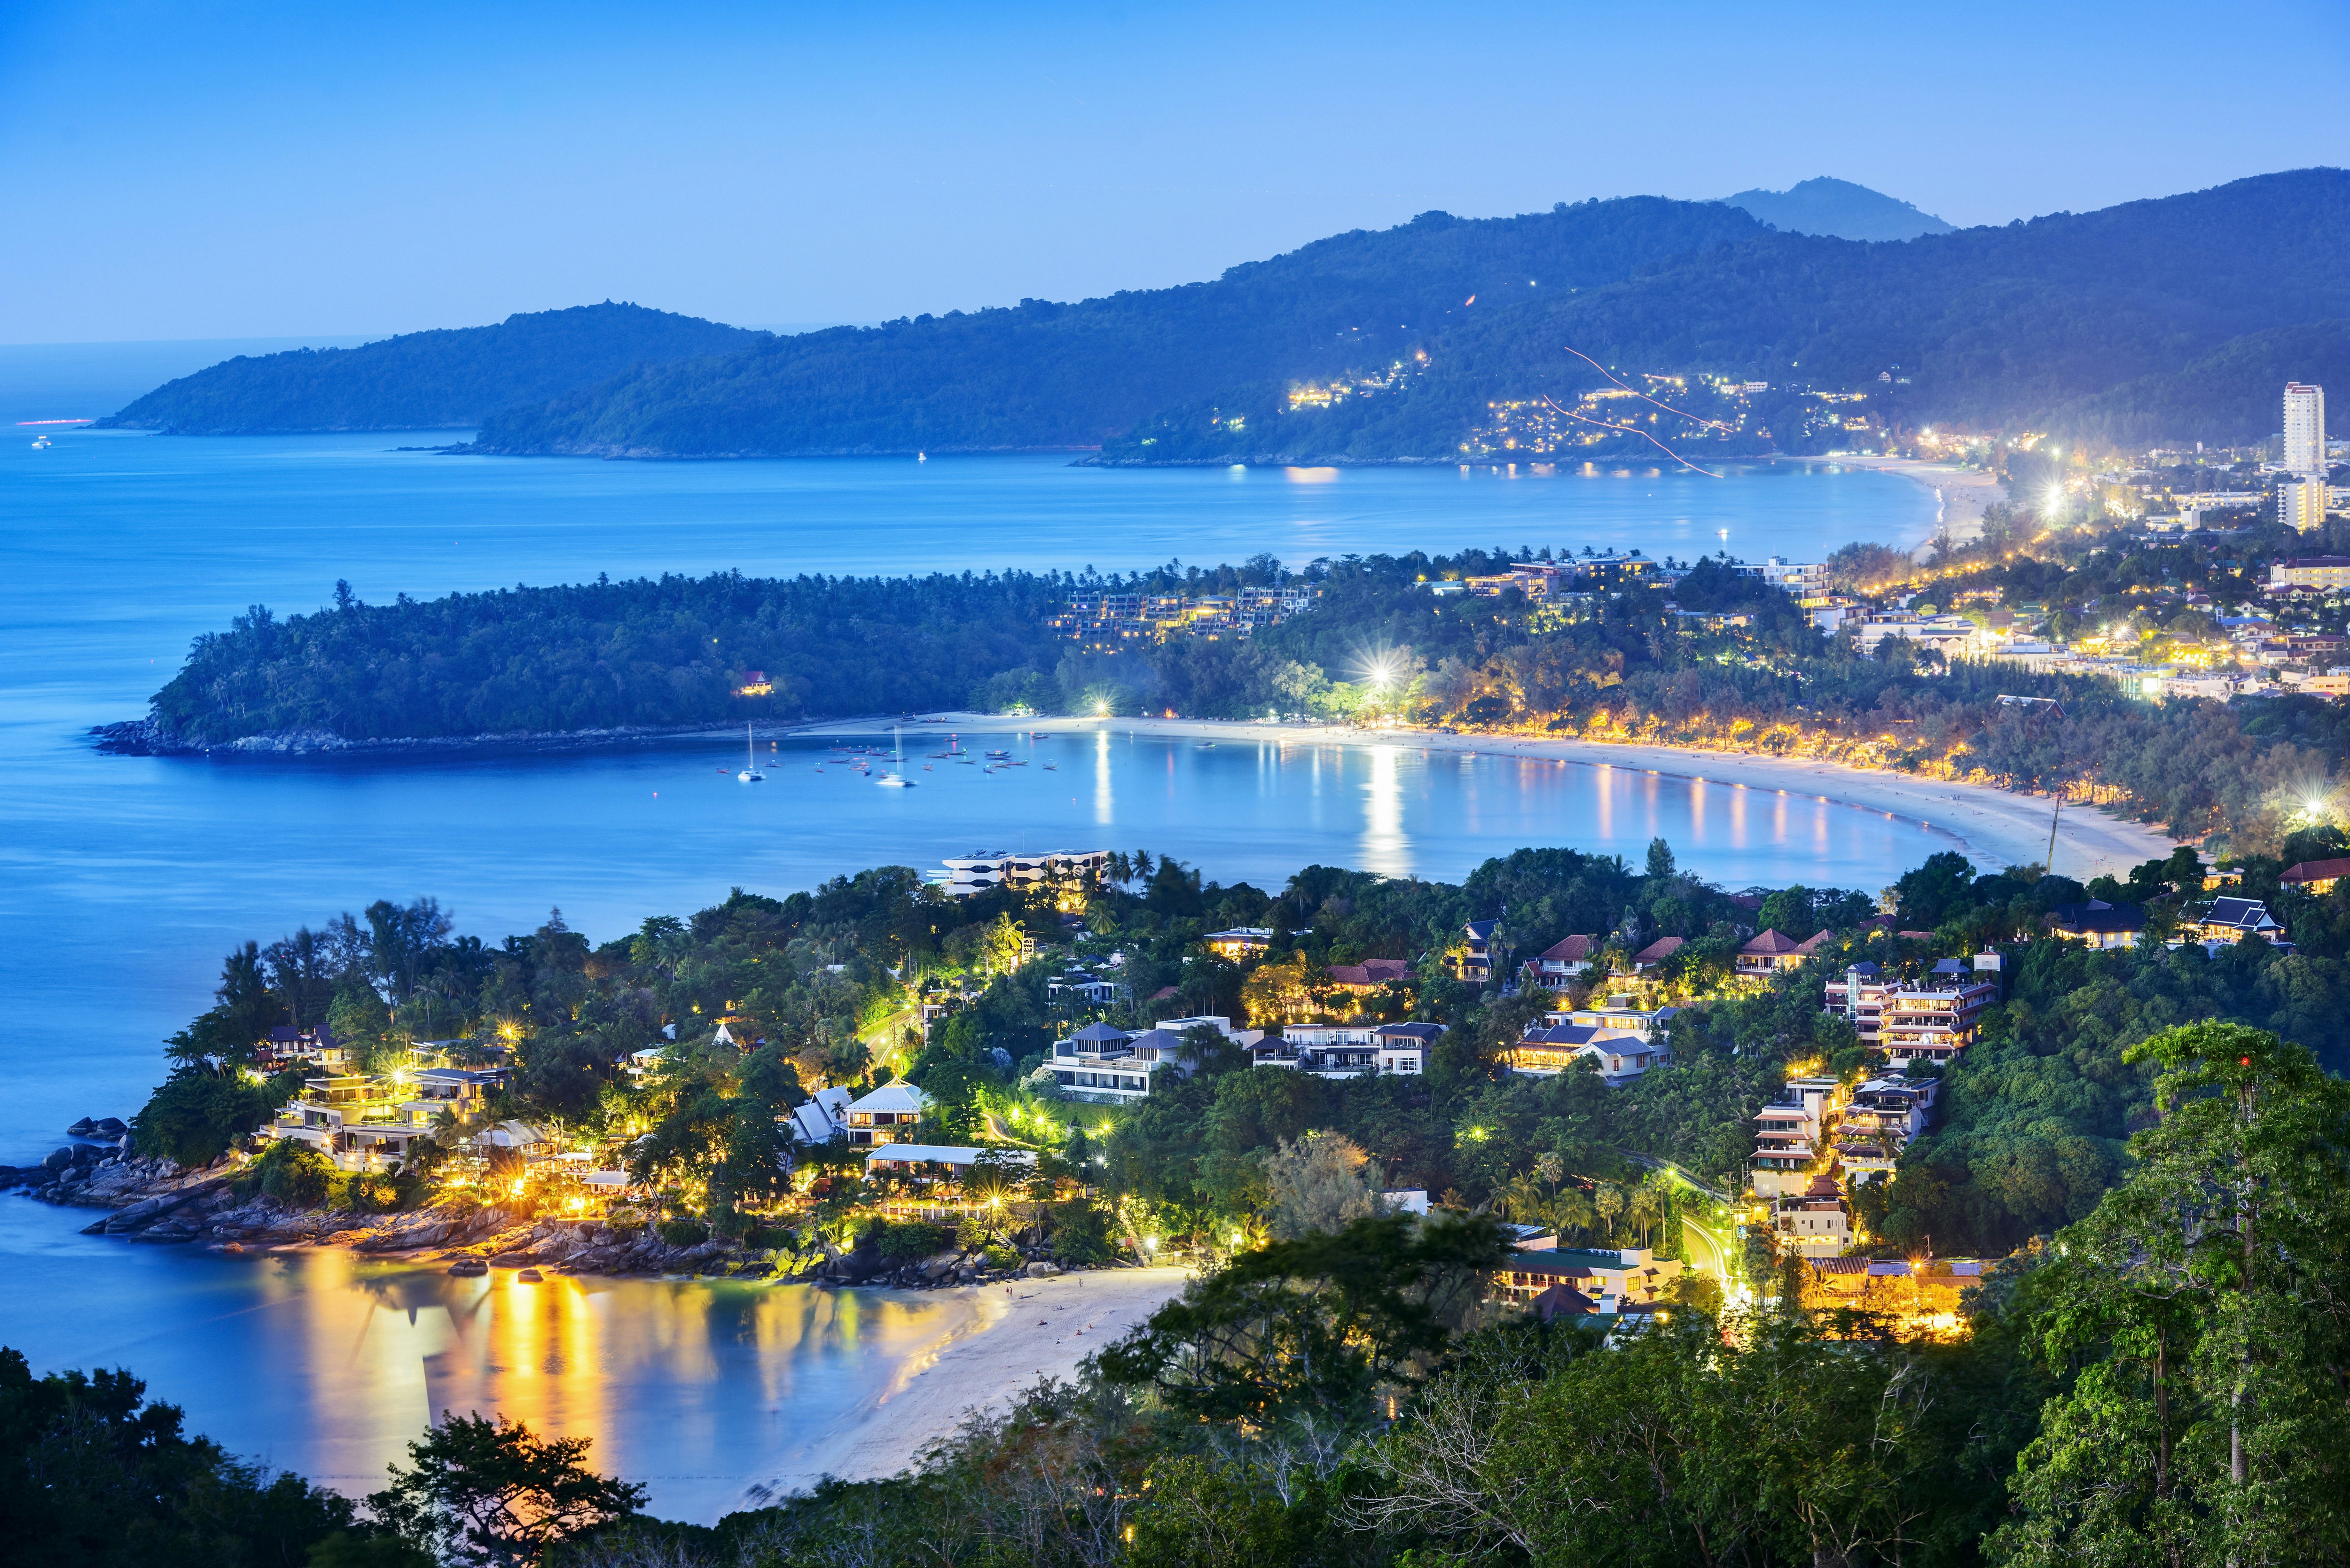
127	880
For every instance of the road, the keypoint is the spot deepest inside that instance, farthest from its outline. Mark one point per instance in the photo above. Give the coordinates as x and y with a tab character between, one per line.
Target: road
1700	1244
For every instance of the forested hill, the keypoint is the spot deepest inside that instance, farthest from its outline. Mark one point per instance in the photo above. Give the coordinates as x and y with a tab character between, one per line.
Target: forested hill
446	379
1042	374
1430	323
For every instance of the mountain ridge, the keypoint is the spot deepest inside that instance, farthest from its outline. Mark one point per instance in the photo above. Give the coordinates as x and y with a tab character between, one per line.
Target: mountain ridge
1416	342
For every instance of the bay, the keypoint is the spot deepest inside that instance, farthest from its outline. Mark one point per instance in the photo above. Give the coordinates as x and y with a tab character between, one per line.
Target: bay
126	878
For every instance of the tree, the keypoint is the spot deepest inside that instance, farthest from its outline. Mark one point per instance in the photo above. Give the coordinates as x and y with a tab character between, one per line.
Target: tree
487	1492
199	1111
1321	1182
1000	948
1313	1325
91	1472
2206	1305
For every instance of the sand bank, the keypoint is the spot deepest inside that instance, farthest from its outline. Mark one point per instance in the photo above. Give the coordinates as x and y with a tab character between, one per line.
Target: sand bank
1010	1336
1995	827
1965	492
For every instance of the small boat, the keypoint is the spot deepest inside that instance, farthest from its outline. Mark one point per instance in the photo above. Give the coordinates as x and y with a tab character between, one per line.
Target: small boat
530	1277
750	774
997	756
1052	767
895	778
469	1268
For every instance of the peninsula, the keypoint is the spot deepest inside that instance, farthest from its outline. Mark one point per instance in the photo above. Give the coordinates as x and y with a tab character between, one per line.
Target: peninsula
2006	682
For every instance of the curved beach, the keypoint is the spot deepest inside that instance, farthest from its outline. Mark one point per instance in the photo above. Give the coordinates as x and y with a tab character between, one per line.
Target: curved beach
1994	827
1015	1335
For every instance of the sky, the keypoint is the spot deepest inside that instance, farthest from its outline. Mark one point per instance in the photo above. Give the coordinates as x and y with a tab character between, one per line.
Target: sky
183	170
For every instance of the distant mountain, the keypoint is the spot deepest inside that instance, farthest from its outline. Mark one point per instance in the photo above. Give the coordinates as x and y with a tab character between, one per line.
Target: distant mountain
443	379
1423	343
1839	209
1423	329
1043	373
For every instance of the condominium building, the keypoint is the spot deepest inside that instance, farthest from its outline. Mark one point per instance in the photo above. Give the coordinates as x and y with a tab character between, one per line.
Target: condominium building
984	868
2300	503
2326	574
2304	430
1930	1020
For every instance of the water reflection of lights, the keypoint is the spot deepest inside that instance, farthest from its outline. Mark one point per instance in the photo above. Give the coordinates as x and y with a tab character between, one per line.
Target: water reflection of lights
1384	845
329	1365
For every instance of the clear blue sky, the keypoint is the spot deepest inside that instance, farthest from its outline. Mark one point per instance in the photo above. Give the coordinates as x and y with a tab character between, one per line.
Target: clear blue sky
184	169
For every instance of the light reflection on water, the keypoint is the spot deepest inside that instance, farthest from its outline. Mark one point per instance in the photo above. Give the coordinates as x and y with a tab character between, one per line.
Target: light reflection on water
324	1364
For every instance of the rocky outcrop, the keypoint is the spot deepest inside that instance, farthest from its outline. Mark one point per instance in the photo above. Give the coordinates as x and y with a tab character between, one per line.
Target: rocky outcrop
159	1202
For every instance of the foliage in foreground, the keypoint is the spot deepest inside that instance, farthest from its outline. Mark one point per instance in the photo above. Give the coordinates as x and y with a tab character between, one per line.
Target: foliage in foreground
2163	1384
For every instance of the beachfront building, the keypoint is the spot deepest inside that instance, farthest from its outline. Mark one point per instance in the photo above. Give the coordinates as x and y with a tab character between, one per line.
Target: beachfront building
364	1123
822	1118
951	1162
975	873
888	1115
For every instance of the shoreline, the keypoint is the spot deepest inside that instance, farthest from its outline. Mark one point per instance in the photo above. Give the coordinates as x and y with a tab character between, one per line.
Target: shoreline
1994	827
1965	492
1019	1332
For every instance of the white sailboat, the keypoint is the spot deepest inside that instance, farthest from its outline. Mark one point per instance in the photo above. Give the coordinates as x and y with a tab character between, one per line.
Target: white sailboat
750	774
895	778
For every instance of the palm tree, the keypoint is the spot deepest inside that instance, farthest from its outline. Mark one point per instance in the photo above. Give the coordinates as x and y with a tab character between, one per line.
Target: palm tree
1571	1212
1522	1199
1610	1202
1644	1208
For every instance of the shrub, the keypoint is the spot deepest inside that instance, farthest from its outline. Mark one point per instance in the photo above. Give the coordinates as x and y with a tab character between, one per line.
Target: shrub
900	1240
198	1112
1003	1258
1081	1233
765	1238
683	1233
295	1175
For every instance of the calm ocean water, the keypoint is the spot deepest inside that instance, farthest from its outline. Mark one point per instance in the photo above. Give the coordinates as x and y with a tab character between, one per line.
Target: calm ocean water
127	879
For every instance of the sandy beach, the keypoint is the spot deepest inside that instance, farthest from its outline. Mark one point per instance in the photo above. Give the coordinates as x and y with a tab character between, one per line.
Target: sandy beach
1010	1336
1995	827
1965	492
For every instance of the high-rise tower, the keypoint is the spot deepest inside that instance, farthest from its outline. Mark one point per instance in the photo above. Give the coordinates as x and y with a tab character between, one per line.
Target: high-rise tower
2304	429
